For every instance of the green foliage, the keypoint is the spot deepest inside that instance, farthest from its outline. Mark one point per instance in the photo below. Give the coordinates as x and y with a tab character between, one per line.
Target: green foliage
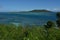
47	27
58	19
49	24
58	14
12	32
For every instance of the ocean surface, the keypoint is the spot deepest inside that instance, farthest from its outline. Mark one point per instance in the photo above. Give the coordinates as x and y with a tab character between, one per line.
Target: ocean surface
24	18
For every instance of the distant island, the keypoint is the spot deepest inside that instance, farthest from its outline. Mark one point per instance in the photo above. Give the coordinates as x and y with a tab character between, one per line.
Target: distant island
35	11
40	11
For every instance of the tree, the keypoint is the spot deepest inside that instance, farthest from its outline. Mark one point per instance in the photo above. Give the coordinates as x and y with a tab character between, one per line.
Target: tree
58	15
49	25
58	19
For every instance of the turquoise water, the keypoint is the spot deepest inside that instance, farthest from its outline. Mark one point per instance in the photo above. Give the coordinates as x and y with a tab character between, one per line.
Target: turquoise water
37	18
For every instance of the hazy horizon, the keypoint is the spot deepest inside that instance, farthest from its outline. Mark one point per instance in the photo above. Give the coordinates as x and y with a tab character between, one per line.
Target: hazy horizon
27	5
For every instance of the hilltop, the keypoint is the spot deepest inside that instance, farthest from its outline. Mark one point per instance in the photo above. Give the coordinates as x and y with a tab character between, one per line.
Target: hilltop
40	11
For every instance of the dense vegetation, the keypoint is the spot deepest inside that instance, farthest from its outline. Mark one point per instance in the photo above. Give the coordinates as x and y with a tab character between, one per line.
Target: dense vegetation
58	19
11	32
46	32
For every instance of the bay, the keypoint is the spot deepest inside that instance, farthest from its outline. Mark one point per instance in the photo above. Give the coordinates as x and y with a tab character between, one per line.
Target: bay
36	18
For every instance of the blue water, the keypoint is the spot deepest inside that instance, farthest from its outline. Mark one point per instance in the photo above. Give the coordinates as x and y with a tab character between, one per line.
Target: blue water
37	18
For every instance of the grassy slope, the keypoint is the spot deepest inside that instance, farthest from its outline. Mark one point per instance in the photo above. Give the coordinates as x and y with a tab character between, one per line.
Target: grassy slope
11	32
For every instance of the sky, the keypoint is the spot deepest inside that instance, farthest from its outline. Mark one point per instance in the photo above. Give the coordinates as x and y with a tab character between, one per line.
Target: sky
26	5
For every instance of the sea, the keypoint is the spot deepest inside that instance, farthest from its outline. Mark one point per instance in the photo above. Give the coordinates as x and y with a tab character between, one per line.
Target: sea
24	18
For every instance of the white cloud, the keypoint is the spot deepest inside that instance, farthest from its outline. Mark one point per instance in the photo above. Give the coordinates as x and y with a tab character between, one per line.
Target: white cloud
56	9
